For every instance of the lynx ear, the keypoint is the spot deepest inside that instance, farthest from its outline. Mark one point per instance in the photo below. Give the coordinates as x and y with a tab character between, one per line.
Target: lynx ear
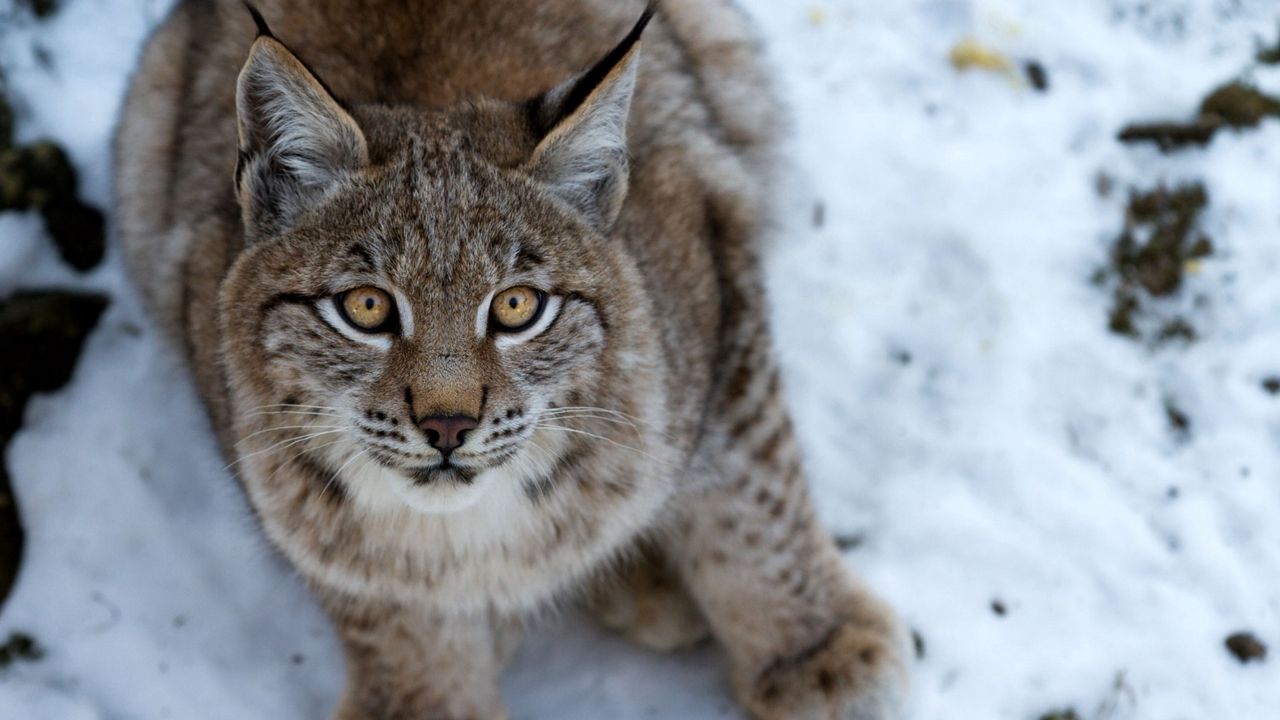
296	141
583	155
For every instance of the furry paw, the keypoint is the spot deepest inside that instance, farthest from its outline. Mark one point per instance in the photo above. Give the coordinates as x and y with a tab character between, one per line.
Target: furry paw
354	709
854	672
508	634
648	605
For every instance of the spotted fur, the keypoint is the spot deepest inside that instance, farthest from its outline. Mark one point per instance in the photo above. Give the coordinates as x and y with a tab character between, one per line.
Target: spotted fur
632	440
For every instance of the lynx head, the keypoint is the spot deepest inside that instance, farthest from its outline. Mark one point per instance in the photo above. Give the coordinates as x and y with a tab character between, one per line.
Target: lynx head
422	292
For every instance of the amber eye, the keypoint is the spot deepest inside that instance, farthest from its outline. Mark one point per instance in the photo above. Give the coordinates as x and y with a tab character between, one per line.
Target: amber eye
516	308
368	309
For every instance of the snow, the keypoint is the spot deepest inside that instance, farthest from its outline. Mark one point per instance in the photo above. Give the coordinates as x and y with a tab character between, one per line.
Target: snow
966	414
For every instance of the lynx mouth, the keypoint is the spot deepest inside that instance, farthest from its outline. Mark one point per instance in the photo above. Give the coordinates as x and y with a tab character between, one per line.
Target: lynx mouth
437	489
441	472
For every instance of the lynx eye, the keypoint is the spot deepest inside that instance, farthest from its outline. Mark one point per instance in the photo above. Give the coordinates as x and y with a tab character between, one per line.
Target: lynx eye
516	308
368	309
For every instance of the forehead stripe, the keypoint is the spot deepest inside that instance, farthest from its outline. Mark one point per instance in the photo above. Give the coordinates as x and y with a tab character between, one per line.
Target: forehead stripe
527	260
276	301
360	252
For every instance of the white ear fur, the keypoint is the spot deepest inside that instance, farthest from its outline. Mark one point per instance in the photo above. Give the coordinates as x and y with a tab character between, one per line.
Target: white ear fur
296	141
583	156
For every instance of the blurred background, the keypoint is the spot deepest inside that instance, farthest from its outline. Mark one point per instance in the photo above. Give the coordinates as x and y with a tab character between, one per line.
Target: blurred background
1026	288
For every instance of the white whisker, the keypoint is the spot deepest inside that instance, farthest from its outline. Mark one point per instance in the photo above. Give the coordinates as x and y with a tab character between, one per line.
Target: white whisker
291	427
282	444
340	469
300	453
293	412
611	441
295	406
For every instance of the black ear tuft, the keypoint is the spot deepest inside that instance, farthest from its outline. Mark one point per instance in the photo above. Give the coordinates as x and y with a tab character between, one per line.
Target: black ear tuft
592	78
263	29
582	154
549	109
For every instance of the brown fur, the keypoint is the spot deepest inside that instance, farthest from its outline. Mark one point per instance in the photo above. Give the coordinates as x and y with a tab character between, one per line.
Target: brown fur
447	136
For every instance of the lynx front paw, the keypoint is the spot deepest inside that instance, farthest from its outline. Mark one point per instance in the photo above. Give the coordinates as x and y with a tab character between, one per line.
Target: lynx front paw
852	673
662	619
648	604
355	708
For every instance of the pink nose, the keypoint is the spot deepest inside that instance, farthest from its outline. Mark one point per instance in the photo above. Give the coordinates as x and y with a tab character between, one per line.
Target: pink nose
446	432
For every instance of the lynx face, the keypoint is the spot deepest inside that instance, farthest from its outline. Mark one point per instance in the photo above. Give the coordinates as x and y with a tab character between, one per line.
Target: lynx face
421	315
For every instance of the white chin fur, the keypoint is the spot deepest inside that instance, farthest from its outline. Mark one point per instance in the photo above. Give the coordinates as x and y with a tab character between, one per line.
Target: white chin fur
381	490
441	498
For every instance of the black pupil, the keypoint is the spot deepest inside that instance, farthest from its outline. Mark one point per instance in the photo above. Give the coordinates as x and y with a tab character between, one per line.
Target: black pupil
369	303
514	303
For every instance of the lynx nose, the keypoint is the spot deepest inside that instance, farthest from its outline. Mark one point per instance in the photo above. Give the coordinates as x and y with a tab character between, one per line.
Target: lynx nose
446	432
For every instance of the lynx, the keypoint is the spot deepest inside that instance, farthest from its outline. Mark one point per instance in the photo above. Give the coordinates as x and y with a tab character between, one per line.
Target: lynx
471	292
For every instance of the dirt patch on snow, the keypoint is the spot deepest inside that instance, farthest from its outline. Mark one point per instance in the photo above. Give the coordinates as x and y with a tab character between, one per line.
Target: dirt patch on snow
1161	243
42	334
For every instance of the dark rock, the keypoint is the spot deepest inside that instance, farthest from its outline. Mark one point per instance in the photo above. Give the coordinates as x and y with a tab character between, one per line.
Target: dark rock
11	534
1067	714
6	122
1149	259
1103	184
41	177
41	8
19	646
1239	106
998	607
1170	135
1269	55
42	334
1122	311
76	228
78	231
917	641
1179	423
1246	647
1201	248
1176	329
1171	217
1234	105
849	542
1271	384
14	182
51	173
1037	75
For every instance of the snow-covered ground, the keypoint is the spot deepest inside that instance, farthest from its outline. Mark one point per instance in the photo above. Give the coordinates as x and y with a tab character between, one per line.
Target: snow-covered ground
969	419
